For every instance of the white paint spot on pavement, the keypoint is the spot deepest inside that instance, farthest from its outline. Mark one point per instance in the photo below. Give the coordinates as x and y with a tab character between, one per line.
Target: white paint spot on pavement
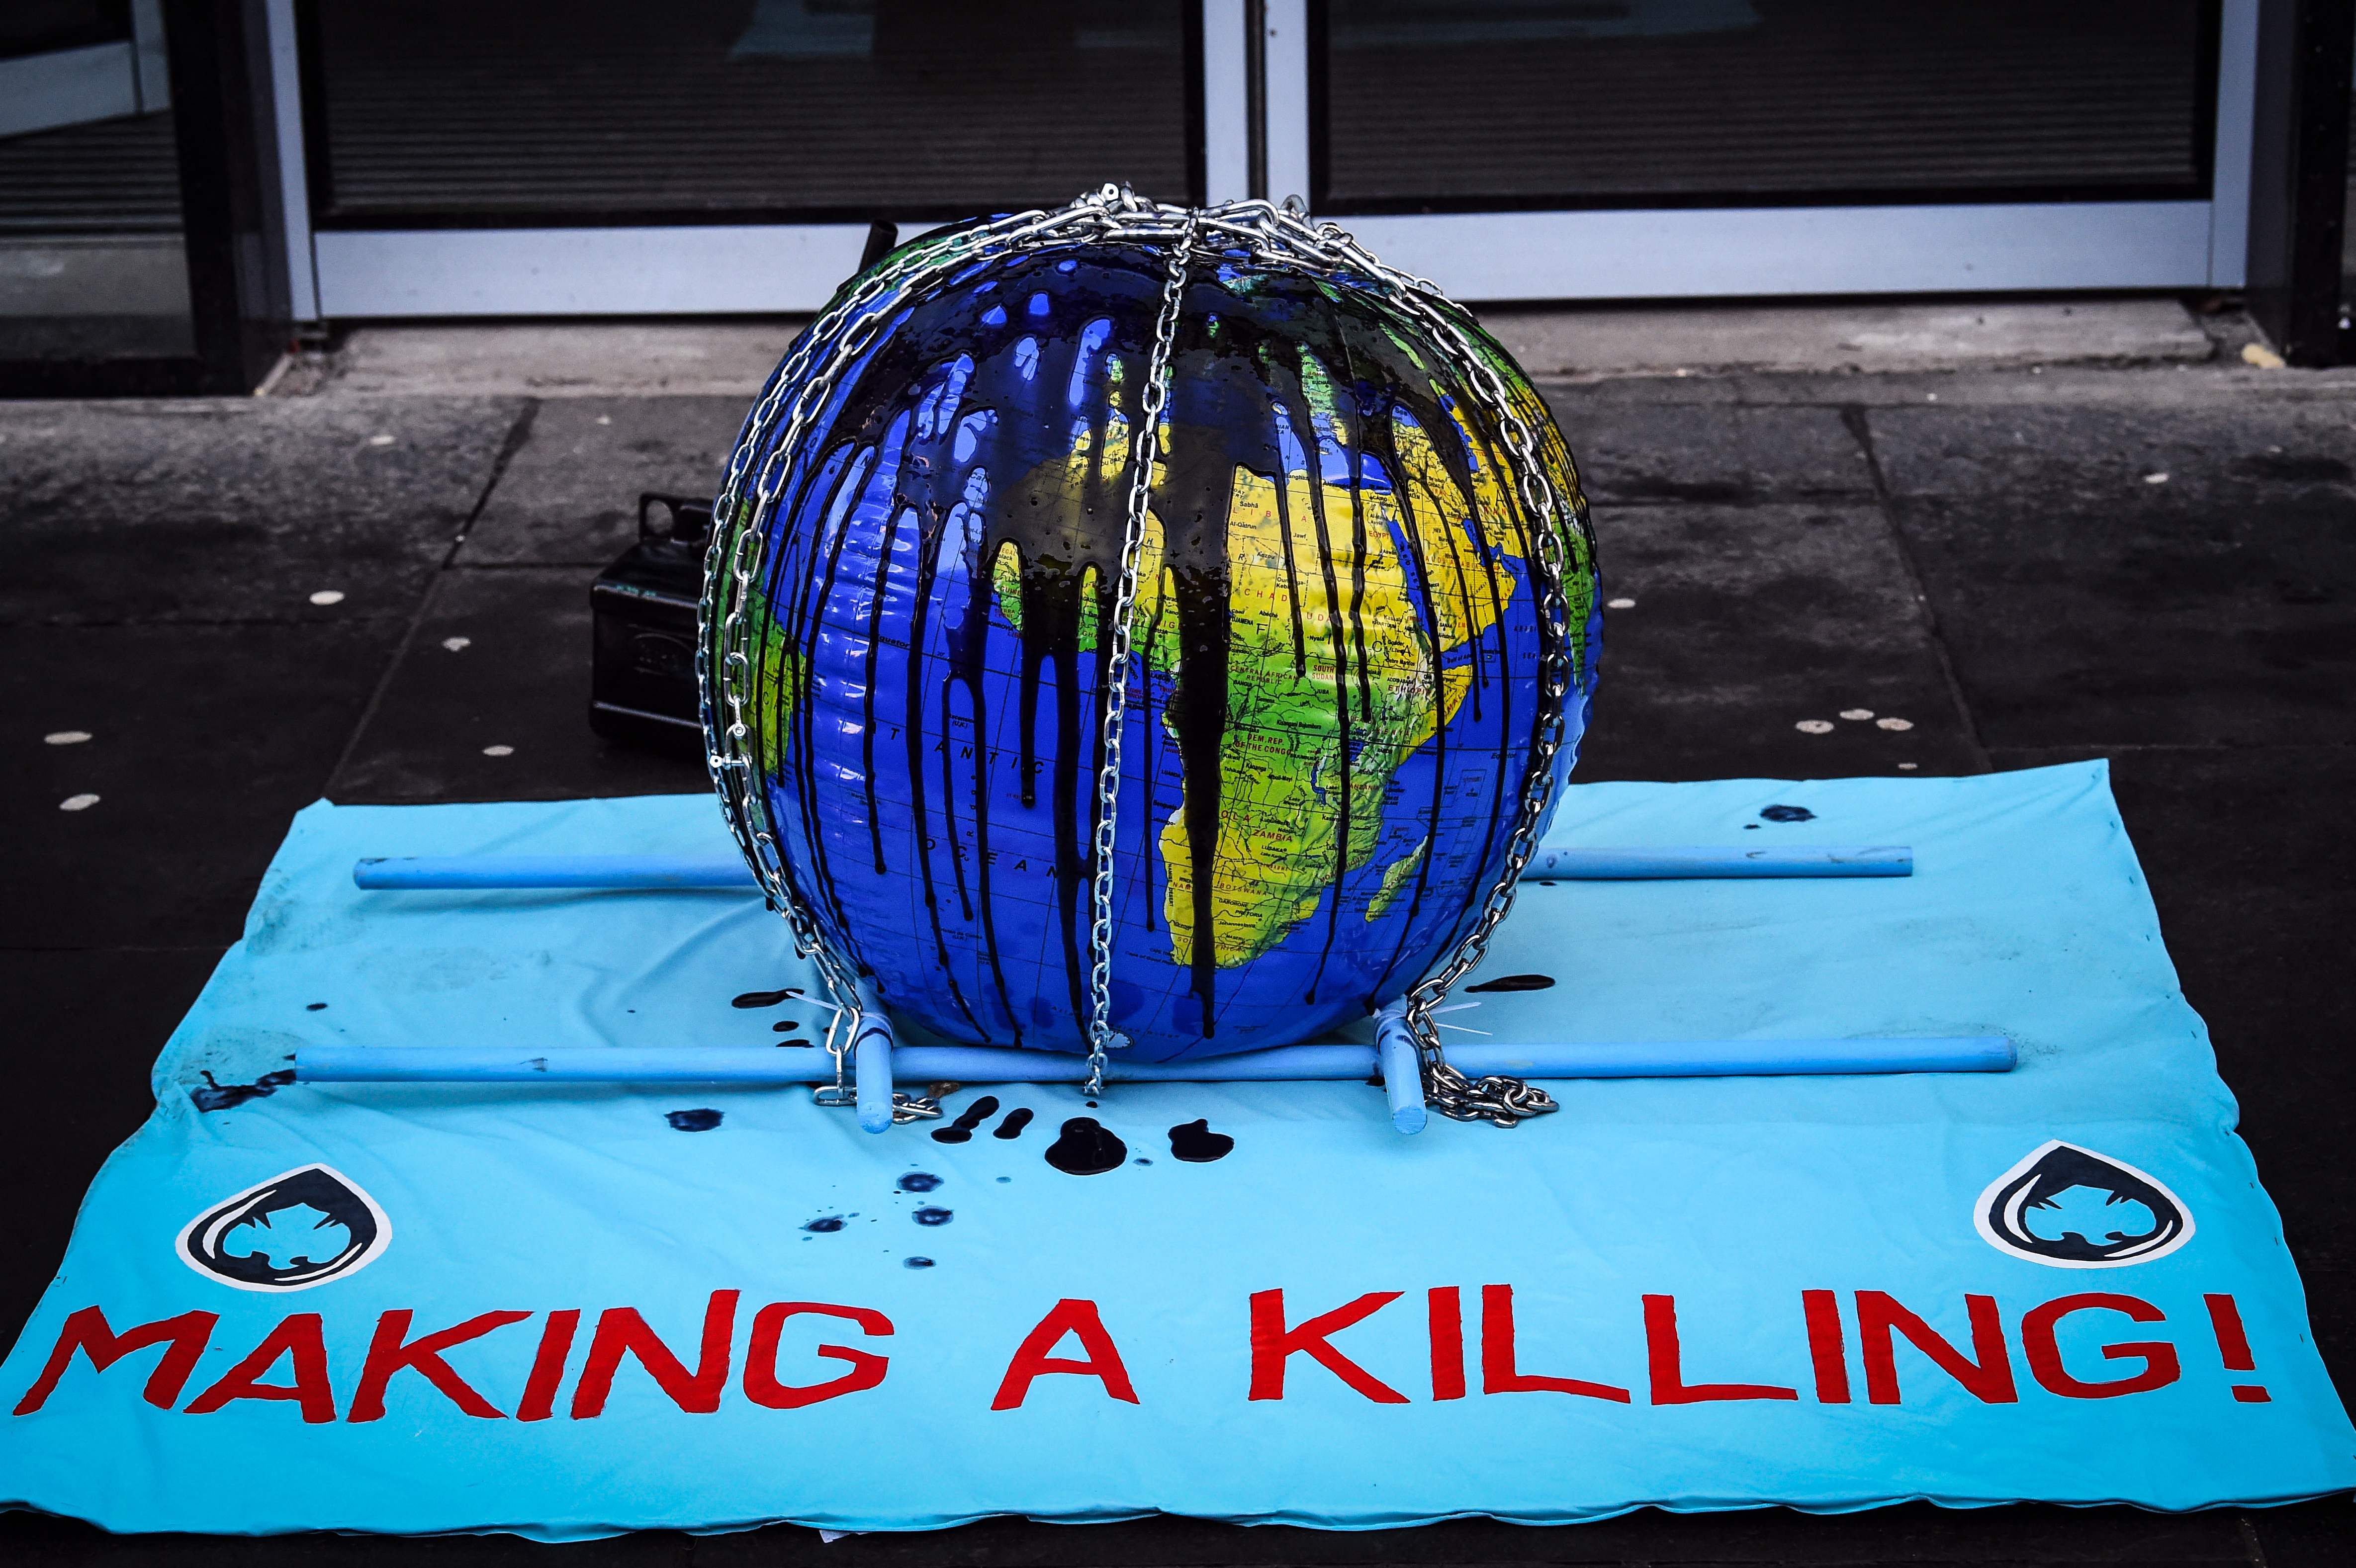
499	751
380	441
2159	478
604	419
328	596
1908	767
457	644
1893	723
1815	726
1619	603
1854	715
65	737
78	803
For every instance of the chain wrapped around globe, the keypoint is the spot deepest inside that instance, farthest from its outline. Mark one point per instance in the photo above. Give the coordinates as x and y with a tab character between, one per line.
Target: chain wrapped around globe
1148	633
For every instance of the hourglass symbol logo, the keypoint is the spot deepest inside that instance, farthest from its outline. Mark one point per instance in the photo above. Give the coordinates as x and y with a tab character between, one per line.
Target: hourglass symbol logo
301	1228
2070	1208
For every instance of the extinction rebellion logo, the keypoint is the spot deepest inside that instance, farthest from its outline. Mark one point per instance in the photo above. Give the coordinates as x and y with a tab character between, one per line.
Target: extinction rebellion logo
2071	1207
301	1228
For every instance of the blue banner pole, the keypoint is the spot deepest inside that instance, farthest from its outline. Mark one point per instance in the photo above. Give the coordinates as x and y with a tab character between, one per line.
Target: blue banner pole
420	873
993	1064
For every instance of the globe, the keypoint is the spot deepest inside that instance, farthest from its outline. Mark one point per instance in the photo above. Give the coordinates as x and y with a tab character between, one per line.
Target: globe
1336	636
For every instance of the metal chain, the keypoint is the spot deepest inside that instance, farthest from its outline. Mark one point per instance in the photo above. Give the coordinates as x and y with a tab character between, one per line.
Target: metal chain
1496	1099
1144	451
1272	235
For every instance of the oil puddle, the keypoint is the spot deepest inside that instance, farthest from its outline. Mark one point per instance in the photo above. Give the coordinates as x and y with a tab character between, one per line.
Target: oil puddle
1196	1143
973	1116
1086	1149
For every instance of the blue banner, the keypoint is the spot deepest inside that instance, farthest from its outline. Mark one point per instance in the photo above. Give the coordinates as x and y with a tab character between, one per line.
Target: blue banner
569	1310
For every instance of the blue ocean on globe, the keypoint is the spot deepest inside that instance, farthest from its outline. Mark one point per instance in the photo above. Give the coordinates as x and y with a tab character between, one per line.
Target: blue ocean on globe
1336	640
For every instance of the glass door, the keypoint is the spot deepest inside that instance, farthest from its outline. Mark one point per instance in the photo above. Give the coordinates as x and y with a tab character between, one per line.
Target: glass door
720	156
1626	148
93	268
608	156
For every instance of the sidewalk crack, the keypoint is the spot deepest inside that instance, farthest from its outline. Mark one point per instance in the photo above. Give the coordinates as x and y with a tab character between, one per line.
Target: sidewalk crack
1852	416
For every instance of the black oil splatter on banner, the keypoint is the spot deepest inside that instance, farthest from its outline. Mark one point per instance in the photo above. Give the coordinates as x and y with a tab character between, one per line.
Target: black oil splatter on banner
218	1096
973	1116
1086	1149
1515	982
1196	1143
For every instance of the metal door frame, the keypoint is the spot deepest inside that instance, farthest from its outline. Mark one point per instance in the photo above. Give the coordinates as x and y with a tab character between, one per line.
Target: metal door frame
1664	253
1671	253
96	81
652	270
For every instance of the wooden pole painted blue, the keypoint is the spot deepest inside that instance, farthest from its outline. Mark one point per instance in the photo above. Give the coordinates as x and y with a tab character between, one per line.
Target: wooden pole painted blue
1707	861
870	1062
1402	1070
416	873
998	1064
588	873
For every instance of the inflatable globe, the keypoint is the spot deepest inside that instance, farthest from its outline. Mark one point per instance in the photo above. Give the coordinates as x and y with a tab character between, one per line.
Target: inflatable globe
1336	632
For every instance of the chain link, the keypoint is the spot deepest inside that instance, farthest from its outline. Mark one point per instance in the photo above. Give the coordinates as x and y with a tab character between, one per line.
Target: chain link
1144	451
1499	1099
787	412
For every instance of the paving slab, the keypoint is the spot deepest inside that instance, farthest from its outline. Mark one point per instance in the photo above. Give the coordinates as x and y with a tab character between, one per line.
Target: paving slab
1738	615
1608	340
34	1538
205	740
2305	1535
2153	577
560	359
1630	450
520	680
568	495
236	508
1750	620
2252	868
1914	1533
83	1029
2216	384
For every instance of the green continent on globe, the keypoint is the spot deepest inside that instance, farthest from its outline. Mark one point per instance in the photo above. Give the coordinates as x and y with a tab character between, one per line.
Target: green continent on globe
1333	679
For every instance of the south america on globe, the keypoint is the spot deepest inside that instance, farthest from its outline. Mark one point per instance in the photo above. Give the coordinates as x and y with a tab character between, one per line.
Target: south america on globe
1336	636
